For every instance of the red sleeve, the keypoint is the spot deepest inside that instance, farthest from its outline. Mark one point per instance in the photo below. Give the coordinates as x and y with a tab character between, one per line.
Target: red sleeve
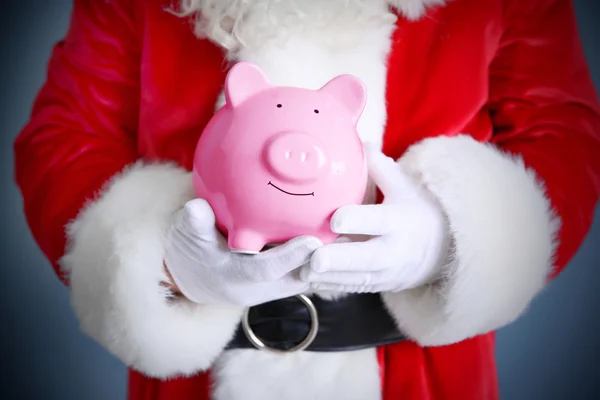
519	208
83	125
544	108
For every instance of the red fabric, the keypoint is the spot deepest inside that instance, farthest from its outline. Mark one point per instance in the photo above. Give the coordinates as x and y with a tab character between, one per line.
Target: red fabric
143	388
131	81
540	93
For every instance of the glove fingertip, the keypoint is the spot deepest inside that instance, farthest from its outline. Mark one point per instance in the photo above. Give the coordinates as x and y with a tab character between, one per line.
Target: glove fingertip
310	243
337	226
319	260
199	214
197	206
337	223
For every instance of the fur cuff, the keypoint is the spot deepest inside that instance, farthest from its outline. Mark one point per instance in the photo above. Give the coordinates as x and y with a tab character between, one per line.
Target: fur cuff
115	269
503	232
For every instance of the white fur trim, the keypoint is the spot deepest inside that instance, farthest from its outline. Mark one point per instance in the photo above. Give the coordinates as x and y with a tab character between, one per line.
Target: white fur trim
251	374
239	24
114	262
503	230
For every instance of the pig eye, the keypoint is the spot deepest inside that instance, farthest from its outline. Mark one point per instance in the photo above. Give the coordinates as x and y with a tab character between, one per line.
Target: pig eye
316	111
279	106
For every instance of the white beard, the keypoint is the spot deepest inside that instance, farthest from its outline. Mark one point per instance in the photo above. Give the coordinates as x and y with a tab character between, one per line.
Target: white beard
237	24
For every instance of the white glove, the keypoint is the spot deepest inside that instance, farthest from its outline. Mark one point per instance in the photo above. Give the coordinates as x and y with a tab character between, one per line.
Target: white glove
207	272
410	243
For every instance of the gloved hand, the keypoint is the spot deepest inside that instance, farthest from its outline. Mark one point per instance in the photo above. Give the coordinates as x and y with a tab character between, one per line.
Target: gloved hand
207	272
410	240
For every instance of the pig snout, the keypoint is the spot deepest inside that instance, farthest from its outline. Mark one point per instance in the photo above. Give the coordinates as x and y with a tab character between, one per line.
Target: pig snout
296	157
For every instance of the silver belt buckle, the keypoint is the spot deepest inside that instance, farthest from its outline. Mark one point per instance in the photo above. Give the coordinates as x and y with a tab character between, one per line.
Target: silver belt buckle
312	333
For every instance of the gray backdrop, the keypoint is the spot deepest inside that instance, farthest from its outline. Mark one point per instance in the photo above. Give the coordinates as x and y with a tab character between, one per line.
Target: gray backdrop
550	353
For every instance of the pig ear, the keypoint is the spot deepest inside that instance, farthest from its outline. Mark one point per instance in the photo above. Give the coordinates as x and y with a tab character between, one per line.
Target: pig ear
243	81
350	91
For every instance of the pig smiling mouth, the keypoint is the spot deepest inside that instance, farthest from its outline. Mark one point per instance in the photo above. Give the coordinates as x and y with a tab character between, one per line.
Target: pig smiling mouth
291	194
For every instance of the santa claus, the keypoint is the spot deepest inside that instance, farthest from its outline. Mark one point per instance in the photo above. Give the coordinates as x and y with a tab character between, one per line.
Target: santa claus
483	130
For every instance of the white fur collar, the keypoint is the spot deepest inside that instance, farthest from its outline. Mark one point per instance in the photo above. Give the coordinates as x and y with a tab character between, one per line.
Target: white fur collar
237	24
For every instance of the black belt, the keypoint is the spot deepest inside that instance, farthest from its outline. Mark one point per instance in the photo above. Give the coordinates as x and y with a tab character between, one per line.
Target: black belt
354	322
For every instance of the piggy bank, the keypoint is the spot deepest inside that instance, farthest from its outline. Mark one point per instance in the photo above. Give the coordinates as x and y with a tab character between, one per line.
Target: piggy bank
276	162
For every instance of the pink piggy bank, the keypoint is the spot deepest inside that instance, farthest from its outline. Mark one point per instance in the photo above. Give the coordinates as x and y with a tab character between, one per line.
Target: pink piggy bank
275	162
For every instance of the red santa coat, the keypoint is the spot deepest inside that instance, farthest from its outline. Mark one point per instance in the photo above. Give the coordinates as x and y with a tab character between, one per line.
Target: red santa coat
490	104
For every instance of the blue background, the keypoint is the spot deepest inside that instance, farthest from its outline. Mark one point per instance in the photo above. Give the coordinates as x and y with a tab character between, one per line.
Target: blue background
551	353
